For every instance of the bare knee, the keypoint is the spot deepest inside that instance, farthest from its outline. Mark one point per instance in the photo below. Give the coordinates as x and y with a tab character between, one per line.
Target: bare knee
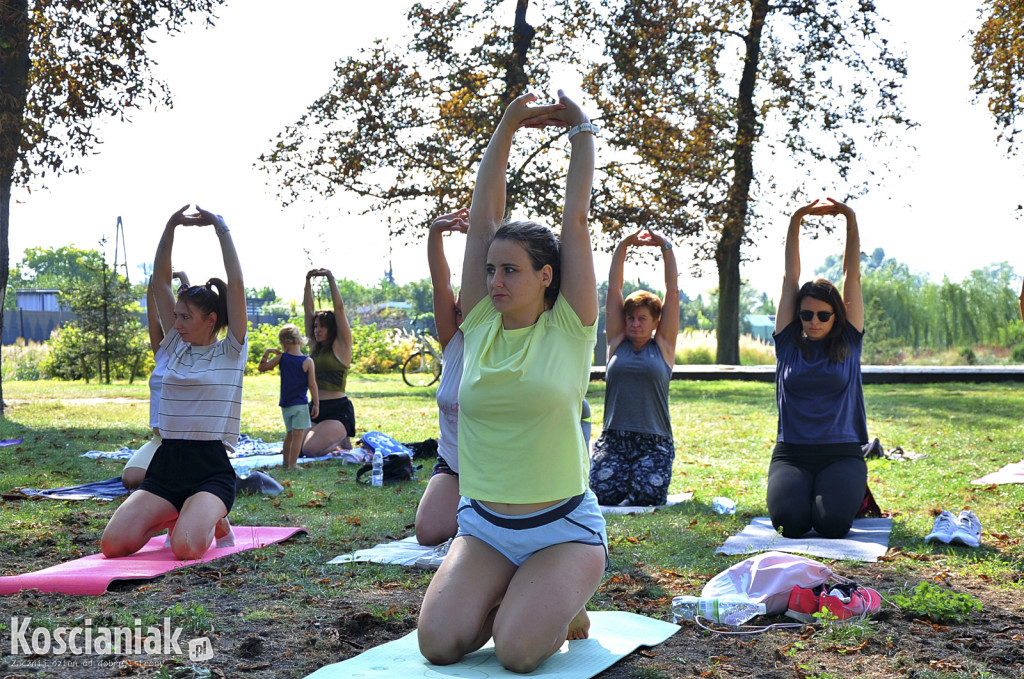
112	548
438	649
186	548
516	655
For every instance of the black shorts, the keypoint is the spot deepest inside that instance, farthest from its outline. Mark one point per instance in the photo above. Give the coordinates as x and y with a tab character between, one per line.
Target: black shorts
339	409
442	467
181	468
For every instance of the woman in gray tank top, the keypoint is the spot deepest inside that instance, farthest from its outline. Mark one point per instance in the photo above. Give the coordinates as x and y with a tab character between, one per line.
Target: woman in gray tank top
632	459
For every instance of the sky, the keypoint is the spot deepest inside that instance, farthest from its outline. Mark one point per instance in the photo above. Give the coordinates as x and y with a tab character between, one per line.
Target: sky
235	86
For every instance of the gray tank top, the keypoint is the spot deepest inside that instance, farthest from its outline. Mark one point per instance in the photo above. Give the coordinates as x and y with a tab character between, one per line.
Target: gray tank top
636	397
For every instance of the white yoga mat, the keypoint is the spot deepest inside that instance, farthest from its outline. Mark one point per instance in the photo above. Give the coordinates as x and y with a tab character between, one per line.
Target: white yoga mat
613	636
867	540
1011	473
403	552
631	509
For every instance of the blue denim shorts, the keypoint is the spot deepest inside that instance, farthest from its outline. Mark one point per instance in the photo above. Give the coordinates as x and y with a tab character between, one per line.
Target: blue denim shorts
577	519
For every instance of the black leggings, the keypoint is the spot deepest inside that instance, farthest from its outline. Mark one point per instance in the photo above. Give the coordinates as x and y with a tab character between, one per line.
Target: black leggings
820	487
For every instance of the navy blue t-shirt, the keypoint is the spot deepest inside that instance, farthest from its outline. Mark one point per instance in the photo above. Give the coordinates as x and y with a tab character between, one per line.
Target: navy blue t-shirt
294	380
819	400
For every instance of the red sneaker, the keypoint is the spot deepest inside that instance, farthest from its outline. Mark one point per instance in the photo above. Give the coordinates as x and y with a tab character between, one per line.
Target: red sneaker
850	600
804	603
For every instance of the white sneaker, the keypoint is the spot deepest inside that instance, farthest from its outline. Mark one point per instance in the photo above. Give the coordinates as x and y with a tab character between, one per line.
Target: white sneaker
433	561
968	529
945	527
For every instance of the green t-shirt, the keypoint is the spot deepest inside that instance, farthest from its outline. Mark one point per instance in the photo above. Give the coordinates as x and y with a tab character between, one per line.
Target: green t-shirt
519	406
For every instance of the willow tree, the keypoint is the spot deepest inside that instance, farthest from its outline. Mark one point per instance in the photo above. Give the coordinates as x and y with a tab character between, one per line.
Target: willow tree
64	64
405	123
713	99
999	64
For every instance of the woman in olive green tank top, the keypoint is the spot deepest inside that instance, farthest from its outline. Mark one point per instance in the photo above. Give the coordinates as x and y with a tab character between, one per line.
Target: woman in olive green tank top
330	347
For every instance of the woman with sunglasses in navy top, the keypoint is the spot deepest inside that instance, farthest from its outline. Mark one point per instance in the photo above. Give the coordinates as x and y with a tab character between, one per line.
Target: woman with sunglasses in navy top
817	477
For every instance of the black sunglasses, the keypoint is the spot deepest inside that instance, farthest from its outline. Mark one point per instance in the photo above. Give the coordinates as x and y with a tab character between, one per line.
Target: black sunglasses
806	315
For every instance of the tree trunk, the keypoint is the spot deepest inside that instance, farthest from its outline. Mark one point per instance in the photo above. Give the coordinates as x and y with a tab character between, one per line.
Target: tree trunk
14	65
727	254
516	83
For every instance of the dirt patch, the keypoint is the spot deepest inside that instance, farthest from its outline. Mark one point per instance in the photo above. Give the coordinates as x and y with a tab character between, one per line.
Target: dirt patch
297	633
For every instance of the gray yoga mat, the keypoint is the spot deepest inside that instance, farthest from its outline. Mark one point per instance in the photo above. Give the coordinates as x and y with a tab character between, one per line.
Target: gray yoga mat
867	540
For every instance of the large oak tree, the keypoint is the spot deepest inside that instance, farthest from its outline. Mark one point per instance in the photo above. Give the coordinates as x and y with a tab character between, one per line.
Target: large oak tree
687	91
63	65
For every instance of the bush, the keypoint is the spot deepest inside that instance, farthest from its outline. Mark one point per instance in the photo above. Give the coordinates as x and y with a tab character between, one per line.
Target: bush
70	356
700	347
695	347
21	360
261	338
378	351
1018	354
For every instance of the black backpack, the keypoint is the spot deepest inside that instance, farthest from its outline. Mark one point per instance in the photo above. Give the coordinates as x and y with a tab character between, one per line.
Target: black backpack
397	467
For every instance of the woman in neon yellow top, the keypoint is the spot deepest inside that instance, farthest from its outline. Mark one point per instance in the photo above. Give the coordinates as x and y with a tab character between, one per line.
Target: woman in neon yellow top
531	547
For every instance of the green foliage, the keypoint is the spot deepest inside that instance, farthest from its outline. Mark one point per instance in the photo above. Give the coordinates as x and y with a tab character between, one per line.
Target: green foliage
1018	354
112	337
261	338
192	617
65	268
22	361
905	311
70	355
378	351
941	605
843	632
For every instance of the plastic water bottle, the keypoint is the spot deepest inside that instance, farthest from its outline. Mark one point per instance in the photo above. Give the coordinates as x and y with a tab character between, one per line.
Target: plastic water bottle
723	505
377	476
727	610
242	470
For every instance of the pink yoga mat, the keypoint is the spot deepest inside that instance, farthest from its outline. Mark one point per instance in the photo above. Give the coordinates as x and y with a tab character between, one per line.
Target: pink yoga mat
93	574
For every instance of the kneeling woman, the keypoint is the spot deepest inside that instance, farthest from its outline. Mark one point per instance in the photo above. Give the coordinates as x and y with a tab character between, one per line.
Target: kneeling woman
817	477
330	347
531	546
190	485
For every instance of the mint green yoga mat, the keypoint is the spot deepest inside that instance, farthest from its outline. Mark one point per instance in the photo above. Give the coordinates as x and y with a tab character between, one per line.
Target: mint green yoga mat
613	636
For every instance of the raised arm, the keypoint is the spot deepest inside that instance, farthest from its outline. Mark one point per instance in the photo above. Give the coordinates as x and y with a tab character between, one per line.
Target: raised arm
614	321
308	310
853	295
160	281
445	313
156	331
668	326
579	284
343	342
268	363
238	314
488	206
785	314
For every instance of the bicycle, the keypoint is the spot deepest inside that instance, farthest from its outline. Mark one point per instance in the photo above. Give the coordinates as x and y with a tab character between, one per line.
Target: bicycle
423	367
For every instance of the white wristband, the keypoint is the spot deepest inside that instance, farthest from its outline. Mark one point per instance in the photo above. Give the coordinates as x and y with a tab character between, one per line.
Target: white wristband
582	127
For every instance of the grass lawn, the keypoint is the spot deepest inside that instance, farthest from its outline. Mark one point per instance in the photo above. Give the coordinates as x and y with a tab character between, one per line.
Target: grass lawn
283	612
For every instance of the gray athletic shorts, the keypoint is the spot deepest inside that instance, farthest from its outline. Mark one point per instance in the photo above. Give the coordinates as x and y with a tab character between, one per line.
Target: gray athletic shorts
577	519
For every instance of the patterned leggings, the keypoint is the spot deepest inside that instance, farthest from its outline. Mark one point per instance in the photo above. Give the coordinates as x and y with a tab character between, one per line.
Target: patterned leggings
626	465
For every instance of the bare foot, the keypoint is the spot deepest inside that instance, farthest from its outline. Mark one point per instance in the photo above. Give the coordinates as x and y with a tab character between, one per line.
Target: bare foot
222	533
579	628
